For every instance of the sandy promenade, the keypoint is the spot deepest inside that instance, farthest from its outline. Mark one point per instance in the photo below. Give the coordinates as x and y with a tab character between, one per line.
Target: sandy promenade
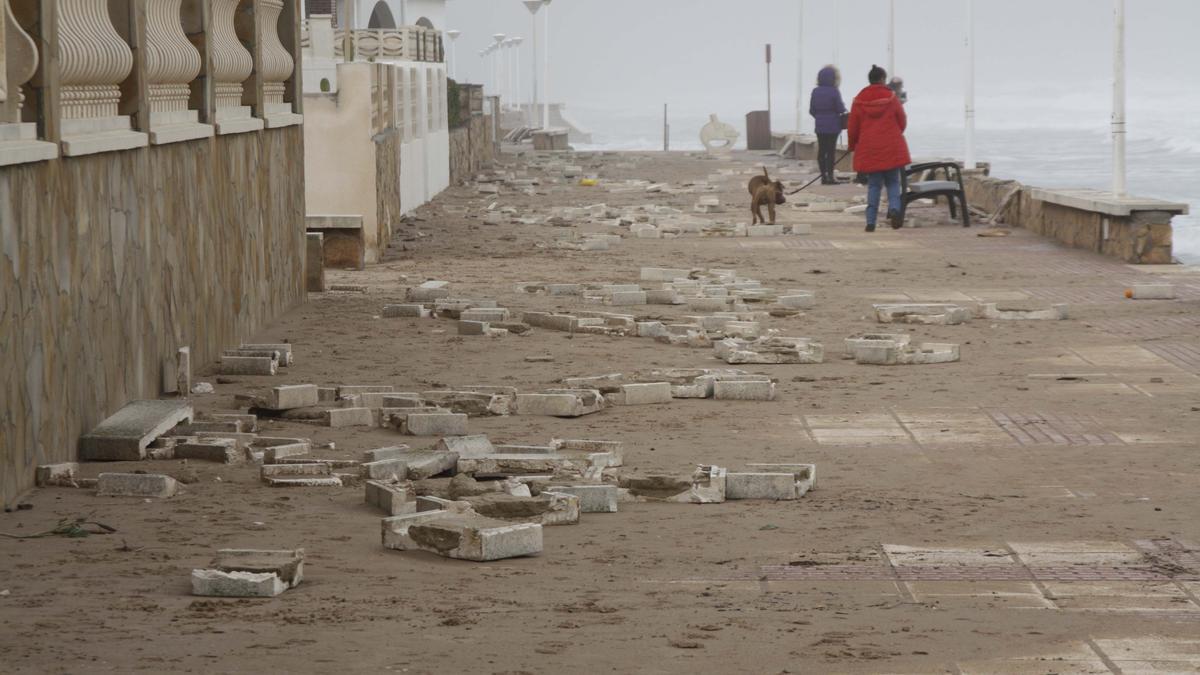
1029	509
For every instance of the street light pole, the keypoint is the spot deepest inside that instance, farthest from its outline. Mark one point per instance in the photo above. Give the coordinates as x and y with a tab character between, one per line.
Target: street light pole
517	71
498	46
800	72
1118	114
533	6
837	30
969	108
546	70
892	37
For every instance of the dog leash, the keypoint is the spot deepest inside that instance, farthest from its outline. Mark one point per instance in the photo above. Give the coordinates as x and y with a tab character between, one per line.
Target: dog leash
839	161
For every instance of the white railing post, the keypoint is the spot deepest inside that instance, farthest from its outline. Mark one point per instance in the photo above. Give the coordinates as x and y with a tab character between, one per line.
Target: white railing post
232	65
18	64
1118	114
93	62
969	107
172	62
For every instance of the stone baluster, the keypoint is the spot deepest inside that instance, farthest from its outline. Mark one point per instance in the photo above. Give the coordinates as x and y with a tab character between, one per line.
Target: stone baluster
276	67
232	65
18	64
171	63
93	62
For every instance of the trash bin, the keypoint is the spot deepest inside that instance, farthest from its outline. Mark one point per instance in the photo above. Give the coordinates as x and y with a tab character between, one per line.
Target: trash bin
758	130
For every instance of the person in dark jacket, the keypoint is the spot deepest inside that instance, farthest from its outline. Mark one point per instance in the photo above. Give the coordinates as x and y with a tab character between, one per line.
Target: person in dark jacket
829	111
877	124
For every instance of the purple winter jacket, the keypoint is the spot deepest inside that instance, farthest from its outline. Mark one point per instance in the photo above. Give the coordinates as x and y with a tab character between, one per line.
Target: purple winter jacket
826	105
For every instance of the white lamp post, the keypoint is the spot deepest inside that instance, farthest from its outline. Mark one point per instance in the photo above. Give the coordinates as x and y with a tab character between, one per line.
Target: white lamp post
516	47
892	37
969	107
498	64
533	6
800	72
1118	114
837	30
546	71
453	35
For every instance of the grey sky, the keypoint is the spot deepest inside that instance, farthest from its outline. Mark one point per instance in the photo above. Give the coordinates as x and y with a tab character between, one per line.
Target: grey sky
700	54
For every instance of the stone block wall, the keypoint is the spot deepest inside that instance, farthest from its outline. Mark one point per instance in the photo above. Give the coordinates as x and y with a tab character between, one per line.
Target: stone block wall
111	262
1144	237
387	185
471	148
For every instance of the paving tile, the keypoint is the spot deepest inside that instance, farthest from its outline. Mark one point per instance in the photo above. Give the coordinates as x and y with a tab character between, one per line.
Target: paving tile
1120	596
997	295
938	296
865	429
1043	428
1092	553
968	426
1152	654
1000	594
1073	659
1121	356
920	555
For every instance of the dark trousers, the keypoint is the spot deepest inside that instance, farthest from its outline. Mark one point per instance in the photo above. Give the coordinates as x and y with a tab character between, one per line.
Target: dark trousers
827	153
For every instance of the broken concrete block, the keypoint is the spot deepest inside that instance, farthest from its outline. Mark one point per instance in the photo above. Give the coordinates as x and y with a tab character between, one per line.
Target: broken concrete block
383	453
744	390
354	389
288	397
136	485
648	393
927	314
384	469
220	450
561	403
274	449
462	536
393	499
429	291
339	418
485	314
468	447
249	422
472	328
774	486
770	350
854	343
406	311
883	353
422	464
805	475
708	487
247	365
598	453
316	474
183	371
287	565
56	475
1152	292
473	403
436	424
283	349
592	498
548	508
125	435
218	584
514	464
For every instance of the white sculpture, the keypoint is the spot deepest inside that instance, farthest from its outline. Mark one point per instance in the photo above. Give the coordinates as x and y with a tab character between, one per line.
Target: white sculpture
718	136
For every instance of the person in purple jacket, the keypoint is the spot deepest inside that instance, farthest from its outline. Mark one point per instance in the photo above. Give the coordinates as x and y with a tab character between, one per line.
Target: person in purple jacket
829	111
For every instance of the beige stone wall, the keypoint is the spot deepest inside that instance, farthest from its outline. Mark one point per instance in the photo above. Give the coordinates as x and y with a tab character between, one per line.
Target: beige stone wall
1144	237
110	262
471	147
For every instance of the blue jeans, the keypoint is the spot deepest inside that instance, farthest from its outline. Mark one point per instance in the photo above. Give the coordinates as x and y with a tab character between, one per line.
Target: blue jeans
875	182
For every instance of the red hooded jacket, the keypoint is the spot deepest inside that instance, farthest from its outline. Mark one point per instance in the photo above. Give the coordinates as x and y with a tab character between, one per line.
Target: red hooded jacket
877	123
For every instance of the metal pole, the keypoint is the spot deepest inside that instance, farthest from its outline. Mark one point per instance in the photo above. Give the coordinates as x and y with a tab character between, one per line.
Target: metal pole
1118	115
666	131
969	161
546	71
768	85
892	37
533	99
800	72
517	71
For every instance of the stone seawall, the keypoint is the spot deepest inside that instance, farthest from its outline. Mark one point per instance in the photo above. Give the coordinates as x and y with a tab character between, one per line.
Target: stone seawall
387	186
471	147
111	262
1134	230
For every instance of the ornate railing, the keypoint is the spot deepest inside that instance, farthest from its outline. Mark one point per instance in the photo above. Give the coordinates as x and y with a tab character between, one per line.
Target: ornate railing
206	67
411	43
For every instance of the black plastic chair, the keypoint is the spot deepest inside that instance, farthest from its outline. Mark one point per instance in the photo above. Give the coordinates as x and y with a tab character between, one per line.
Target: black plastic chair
929	188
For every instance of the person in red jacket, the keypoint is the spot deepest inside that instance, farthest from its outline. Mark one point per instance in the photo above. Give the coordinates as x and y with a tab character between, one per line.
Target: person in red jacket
877	123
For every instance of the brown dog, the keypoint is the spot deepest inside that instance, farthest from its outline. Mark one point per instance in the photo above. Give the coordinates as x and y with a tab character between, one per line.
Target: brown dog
763	190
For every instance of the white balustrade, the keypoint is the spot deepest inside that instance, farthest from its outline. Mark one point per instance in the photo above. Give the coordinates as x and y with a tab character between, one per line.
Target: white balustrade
93	62
232	65
276	67
172	62
18	64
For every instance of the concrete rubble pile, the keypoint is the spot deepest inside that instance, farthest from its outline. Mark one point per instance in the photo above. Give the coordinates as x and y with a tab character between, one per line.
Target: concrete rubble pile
255	359
770	350
898	350
993	312
661	386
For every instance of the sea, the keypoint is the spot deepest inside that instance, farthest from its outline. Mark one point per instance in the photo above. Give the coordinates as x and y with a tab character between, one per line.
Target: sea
1054	139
